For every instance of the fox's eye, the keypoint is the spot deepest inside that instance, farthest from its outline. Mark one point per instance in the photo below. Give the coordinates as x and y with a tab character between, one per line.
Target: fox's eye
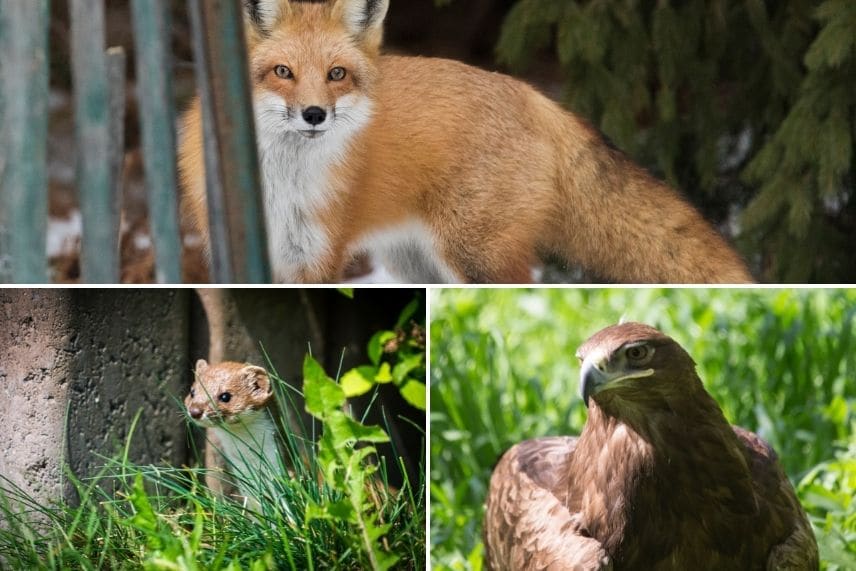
192	392
283	72
337	74
637	352
225	397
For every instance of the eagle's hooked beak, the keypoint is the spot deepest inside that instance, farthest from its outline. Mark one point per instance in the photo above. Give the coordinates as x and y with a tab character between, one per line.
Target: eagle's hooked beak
597	374
592	377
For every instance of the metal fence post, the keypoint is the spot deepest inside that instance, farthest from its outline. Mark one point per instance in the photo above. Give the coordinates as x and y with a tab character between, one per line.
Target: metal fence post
154	92
5	259
231	155
116	65
99	254
23	165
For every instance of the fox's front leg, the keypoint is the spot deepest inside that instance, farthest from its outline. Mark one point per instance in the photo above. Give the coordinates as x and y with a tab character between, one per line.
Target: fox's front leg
328	268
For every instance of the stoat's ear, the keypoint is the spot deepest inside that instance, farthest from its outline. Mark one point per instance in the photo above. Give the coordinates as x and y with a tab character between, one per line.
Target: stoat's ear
256	378
264	14
201	365
363	19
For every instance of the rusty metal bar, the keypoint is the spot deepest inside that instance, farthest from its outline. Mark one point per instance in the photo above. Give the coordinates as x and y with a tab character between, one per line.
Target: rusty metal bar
154	92
232	177
99	251
23	140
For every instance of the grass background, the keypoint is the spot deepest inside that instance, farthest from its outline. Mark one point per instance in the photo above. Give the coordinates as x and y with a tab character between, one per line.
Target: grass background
779	362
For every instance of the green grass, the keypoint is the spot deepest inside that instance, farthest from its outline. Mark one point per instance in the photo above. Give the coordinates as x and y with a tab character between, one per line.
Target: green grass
780	362
332	510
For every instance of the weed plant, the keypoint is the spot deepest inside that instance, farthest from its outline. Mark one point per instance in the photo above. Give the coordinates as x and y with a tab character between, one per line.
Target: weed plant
779	362
321	505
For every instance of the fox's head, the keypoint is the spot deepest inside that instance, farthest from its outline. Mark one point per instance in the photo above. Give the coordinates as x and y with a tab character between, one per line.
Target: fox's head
313	64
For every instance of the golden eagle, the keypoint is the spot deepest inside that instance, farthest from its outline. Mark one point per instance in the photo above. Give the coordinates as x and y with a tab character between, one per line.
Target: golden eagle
657	480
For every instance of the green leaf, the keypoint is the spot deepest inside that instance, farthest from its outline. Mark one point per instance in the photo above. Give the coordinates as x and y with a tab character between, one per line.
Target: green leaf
345	430
384	374
376	343
358	381
145	518
386	560
407	313
374	349
414	393
322	394
341	510
406	365
379	531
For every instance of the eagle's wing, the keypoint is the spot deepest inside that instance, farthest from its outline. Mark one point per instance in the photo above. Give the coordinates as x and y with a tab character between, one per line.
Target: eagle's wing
527	523
798	550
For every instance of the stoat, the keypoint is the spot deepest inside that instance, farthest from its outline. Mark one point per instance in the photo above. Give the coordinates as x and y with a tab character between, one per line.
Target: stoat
235	400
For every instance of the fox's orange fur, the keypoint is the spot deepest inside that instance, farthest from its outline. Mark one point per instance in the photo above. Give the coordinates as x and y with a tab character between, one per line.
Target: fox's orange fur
443	171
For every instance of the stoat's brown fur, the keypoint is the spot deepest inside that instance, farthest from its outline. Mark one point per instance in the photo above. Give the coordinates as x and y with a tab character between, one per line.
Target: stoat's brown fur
235	401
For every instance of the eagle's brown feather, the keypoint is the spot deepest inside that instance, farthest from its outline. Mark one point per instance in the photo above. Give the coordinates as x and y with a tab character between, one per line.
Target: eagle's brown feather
529	508
657	480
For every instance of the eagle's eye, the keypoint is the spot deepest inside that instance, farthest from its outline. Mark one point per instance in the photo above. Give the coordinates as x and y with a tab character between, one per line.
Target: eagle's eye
637	352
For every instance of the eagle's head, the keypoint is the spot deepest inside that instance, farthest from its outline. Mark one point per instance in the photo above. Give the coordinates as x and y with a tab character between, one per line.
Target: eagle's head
631	364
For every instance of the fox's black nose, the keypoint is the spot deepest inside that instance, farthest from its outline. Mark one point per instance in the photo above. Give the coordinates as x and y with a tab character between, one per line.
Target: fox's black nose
314	115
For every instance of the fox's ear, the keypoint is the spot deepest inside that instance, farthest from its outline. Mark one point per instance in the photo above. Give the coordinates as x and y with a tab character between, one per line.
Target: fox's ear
264	14
363	18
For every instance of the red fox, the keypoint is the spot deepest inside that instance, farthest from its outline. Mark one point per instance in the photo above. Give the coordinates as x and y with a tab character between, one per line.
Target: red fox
443	172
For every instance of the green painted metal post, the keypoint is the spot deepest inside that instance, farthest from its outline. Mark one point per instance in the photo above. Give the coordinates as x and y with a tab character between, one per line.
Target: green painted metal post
116	65
23	166
5	259
220	270
99	251
154	88
231	155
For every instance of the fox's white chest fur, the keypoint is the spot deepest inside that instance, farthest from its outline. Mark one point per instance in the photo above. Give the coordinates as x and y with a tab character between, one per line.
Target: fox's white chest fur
298	184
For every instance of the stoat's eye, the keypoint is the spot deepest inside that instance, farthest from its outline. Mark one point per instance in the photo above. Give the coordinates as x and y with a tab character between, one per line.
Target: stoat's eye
192	392
225	397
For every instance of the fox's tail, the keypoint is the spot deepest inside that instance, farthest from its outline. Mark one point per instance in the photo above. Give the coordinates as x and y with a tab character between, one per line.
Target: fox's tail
623	225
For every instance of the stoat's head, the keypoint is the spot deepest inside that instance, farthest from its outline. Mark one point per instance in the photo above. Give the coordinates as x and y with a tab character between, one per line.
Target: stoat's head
227	393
